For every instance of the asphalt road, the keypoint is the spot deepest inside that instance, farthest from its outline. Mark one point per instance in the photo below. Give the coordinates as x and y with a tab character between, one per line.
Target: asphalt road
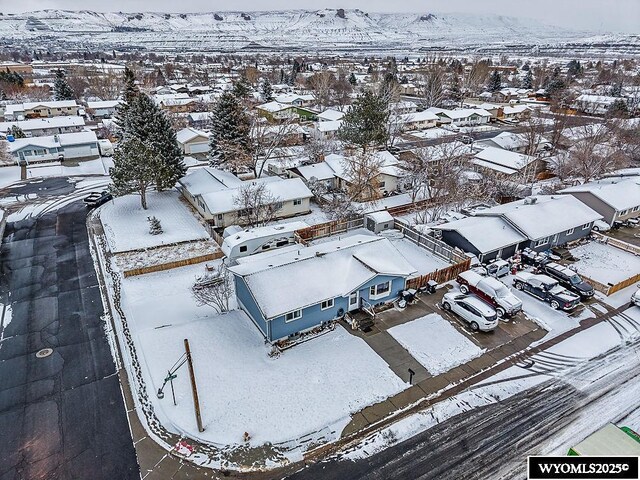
61	417
492	442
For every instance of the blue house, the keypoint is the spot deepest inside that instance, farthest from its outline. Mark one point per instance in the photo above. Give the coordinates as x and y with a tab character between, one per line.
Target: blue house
299	288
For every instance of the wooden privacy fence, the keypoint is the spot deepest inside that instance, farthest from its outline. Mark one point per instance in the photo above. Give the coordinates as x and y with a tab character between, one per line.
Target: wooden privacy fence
611	288
440	276
306	235
169	265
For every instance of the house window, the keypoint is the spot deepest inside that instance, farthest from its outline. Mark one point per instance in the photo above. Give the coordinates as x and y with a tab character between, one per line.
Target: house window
297	201
326	304
586	226
635	209
243	248
623	213
291	316
380	290
381	184
570	231
219	216
542	241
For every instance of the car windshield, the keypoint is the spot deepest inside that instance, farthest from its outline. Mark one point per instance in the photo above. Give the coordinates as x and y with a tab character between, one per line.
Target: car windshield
575	280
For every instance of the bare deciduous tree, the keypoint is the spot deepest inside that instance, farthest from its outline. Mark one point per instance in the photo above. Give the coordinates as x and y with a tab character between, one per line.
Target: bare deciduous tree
256	205
267	138
363	171
432	86
214	289
5	155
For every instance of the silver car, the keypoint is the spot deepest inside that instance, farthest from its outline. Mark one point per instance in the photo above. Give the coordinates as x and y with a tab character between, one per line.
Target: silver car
472	310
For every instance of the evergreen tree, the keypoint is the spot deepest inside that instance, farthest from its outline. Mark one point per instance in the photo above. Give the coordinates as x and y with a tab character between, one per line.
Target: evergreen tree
526	67
456	91
353	80
618	109
266	91
134	169
574	68
149	124
616	90
230	129
155	227
241	88
129	93
495	82
365	124
527	81
61	88
17	132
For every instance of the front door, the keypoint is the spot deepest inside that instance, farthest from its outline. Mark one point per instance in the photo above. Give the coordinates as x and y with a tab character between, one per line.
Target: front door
354	301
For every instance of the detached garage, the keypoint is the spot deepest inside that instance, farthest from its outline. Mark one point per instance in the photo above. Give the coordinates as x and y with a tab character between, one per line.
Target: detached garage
193	141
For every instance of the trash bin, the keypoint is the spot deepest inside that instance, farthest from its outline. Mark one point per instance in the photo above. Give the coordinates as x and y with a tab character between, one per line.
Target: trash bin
431	286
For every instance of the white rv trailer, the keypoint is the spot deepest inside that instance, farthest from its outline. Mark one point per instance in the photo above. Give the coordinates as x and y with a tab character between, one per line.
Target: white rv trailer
260	239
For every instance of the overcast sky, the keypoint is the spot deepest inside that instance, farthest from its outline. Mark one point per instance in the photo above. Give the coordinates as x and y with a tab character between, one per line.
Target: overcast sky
600	15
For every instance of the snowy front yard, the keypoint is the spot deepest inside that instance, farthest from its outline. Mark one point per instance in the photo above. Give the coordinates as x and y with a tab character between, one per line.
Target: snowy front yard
311	388
604	263
127	228
435	343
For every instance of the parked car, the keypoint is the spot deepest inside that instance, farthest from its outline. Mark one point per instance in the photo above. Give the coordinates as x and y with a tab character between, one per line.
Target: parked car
568	279
472	310
635	298
466	139
492	291
546	289
95	199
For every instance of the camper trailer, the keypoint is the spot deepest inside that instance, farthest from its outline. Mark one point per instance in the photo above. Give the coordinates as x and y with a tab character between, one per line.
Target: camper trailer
261	239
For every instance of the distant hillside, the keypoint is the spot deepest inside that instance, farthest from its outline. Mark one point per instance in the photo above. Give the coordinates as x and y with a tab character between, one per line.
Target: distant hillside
298	29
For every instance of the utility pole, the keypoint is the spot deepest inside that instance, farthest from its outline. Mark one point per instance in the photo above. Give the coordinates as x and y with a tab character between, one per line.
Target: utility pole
194	388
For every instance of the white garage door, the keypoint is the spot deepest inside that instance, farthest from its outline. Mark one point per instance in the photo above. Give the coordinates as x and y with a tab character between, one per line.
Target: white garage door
79	151
199	148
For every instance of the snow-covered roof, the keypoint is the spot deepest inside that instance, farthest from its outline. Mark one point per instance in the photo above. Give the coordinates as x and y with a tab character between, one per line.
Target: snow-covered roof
200	116
329	126
380	217
424	116
40	123
544	215
487	234
320	171
284	190
53	104
54	141
515	109
205	180
503	158
461	113
292	97
309	275
597	99
619	194
103	104
273	107
330	115
187	134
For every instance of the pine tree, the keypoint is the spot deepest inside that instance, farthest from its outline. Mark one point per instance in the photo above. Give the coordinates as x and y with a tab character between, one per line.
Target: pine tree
365	124
455	91
353	80
230	129
241	88
17	132
616	90
155	227
495	82
266	91
134	169
61	88
129	93
527	81
149	124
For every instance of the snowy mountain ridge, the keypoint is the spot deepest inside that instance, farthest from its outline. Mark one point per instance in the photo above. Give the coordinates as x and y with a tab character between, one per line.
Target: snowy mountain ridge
296	29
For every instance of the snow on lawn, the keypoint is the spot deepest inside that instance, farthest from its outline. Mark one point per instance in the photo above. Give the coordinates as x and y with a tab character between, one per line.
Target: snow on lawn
604	263
555	322
312	387
435	343
99	166
127	228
